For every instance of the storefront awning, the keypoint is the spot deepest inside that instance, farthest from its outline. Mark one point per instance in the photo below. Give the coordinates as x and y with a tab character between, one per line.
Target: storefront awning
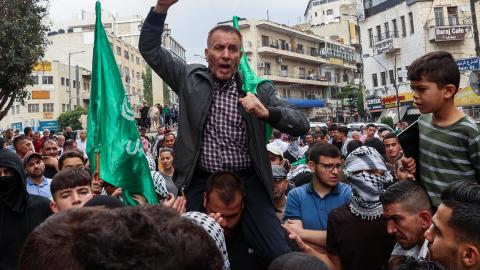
306	103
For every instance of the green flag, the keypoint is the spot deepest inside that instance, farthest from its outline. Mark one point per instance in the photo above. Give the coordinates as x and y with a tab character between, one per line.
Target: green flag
250	80
112	130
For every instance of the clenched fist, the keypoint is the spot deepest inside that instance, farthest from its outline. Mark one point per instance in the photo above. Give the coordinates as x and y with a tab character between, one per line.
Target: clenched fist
253	106
163	5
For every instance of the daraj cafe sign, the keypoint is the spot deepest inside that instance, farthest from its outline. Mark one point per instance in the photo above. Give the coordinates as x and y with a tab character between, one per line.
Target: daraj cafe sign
451	33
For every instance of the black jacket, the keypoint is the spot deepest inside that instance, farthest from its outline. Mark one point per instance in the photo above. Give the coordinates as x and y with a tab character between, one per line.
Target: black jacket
18	221
193	84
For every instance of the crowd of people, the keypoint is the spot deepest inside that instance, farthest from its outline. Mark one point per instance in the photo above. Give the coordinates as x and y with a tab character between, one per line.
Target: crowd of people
230	198
166	115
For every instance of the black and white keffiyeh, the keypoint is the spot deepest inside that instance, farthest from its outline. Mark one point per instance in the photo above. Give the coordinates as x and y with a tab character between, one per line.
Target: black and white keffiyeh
159	183
214	230
366	187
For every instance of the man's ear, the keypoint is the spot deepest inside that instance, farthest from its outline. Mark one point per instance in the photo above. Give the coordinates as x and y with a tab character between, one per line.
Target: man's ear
206	54
53	206
450	91
470	255
311	166
426	219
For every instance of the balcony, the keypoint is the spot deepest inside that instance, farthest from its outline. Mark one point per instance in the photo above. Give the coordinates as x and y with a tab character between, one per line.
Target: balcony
284	77
451	28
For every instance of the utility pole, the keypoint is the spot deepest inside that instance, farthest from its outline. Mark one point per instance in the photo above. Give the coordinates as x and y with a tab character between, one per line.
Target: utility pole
475	28
70	79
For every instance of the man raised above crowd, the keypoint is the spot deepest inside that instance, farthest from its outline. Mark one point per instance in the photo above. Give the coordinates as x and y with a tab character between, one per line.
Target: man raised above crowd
221	127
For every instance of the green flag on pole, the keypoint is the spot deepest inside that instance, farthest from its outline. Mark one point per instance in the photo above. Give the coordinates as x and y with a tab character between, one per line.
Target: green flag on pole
250	80
112	131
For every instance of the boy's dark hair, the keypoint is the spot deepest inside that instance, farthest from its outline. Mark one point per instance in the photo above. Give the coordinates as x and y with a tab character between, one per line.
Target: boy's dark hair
323	149
70	178
332	127
225	29
382	129
293	260
378	145
226	184
68	143
438	67
318	135
409	194
390	135
27	130
412	263
371	125
70	154
463	197
344	130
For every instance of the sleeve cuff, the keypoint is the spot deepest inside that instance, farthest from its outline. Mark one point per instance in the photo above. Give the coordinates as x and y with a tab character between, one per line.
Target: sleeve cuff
154	18
274	115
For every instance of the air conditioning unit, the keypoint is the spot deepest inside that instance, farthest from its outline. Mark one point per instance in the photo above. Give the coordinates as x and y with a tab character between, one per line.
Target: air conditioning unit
261	65
279	60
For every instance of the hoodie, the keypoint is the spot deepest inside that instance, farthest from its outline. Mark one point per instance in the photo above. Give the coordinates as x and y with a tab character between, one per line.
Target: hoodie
20	212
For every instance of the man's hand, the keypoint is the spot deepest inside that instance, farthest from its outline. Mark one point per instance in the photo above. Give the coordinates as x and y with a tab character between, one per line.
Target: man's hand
301	245
163	5
409	164
218	218
117	193
178	204
140	199
253	106
51	161
294	226
97	183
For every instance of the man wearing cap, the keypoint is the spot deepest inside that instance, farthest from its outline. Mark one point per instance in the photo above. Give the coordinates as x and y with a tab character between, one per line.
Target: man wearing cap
308	206
280	185
37	183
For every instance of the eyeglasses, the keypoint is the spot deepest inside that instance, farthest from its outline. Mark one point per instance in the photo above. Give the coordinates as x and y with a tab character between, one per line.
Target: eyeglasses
329	167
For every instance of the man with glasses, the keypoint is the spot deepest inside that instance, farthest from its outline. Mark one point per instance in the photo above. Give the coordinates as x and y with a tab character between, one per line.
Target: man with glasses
308	206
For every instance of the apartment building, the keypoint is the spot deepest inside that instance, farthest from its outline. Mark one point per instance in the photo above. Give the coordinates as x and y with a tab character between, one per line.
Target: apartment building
54	90
396	32
307	70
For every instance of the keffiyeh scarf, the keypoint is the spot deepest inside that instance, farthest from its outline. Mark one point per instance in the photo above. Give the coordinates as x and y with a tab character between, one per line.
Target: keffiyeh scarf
366	187
214	230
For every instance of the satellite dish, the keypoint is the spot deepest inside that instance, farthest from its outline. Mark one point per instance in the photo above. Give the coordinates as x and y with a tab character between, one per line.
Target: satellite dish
474	81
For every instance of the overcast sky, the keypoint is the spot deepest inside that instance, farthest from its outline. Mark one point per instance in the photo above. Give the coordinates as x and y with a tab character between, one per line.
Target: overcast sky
191	20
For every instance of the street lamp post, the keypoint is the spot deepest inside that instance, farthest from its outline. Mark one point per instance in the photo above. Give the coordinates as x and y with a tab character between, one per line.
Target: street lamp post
70	79
395	86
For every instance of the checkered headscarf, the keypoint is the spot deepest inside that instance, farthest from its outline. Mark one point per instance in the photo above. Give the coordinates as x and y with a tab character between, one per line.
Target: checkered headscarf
158	181
366	187
214	230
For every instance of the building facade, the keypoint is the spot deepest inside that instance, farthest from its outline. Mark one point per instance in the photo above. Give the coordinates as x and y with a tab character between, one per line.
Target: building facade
307	70
396	32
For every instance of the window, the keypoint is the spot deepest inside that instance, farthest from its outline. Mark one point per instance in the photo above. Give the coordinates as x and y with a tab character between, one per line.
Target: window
412	26
328	75
127	71
452	15
47	79
392	76
383	77
404	27
345	78
439	21
34	79
387	30
17	109
12	110
33	108
74	84
313	51
266	70
300	48
329	11
283	71
64	107
138	75
316	14
67	82
62	81
84	86
265	41
119	51
399	72
370	37
137	60
126	55
283	44
395	28
379	33
301	72
48	107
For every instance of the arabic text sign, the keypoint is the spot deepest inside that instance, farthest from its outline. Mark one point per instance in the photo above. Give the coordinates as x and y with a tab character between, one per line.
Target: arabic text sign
471	63
451	33
384	46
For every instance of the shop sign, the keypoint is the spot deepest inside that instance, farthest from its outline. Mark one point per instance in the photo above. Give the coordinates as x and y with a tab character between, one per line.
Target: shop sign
451	33
471	63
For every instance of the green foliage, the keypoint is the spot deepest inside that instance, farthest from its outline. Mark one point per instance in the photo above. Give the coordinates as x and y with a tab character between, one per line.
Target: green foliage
351	94
71	118
23	42
166	93
147	86
360	103
387	121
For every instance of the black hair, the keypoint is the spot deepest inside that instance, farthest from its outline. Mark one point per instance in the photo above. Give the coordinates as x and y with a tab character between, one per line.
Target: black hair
47	140
344	130
70	154
318	135
463	197
390	135
412	263
371	125
409	194
323	149
294	260
382	129
438	67
70	178
19	139
332	127
352	145
226	184
27	130
378	145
